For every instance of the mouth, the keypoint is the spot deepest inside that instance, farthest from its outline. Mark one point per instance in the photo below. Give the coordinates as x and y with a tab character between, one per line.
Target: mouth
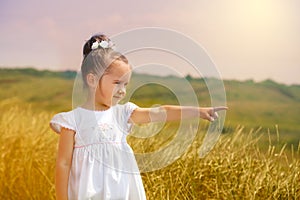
118	97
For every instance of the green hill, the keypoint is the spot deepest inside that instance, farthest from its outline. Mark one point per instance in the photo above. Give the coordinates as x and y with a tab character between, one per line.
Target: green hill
252	104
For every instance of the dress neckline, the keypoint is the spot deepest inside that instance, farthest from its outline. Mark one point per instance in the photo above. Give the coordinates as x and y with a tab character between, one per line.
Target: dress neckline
94	111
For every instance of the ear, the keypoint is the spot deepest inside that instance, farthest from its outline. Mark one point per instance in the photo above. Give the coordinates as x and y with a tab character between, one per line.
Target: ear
91	80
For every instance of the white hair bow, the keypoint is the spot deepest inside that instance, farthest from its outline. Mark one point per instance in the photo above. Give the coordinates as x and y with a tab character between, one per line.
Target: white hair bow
103	44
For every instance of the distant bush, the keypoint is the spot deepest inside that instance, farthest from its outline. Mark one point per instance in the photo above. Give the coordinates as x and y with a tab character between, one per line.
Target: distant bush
68	74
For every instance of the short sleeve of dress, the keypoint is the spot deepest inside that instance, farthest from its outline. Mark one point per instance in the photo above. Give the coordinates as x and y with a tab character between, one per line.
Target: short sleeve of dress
128	109
124	115
64	119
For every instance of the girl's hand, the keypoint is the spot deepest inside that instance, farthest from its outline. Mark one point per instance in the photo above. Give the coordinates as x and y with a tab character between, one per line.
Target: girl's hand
210	113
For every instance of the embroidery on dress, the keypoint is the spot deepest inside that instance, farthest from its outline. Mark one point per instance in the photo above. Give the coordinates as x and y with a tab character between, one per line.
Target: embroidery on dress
104	131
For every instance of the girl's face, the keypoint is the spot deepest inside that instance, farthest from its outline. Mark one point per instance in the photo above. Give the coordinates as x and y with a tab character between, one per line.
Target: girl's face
112	86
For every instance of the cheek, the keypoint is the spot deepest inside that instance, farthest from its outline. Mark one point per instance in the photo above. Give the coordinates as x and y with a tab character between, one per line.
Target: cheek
116	88
103	87
109	91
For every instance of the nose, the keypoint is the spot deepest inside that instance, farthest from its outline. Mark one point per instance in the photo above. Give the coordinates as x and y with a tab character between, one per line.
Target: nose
122	91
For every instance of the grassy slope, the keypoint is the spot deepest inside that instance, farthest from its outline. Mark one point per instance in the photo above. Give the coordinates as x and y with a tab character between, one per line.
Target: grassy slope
252	105
44	90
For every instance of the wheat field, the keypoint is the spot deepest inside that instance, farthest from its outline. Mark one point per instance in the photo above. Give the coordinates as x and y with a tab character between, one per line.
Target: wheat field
237	168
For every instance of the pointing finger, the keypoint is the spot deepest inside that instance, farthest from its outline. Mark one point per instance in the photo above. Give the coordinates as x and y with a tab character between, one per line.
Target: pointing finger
219	108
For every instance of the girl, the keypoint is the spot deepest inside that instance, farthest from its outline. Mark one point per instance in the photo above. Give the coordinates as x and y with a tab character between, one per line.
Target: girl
94	160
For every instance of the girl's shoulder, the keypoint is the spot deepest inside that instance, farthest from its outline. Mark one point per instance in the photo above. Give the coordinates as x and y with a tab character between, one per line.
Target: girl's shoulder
122	112
126	109
63	119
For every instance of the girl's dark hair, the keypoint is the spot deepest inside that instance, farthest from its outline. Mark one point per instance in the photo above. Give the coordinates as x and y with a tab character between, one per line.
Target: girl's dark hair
87	48
98	61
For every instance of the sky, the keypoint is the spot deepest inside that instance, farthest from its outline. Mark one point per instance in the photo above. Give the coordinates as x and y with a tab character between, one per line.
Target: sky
246	39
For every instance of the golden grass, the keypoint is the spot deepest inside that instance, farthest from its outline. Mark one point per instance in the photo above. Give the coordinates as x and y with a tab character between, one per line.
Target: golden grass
236	169
27	154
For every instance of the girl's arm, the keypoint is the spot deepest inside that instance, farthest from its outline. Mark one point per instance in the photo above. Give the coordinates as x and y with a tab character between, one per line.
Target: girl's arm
63	163
173	113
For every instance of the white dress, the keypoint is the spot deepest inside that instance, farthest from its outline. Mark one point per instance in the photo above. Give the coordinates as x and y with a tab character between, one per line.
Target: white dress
103	164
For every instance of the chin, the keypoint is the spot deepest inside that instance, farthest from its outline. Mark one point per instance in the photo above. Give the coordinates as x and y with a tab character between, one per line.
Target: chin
114	103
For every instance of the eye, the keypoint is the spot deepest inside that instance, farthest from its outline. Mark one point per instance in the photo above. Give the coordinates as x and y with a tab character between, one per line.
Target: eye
117	82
